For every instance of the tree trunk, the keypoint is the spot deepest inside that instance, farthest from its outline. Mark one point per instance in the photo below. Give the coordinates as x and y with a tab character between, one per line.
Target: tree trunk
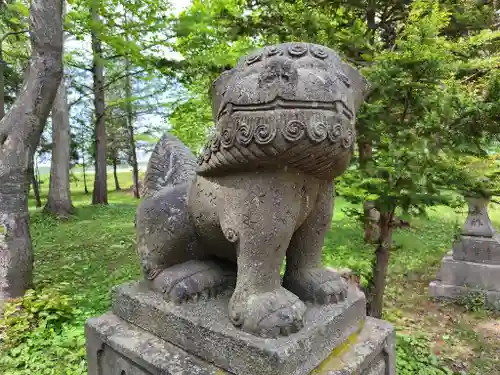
380	266
20	132
84	166
59	199
130	124
100	194
371	222
35	184
117	184
131	139
84	175
36	190
370	213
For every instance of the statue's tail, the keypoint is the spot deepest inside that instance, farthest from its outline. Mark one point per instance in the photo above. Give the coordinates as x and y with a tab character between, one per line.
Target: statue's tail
172	163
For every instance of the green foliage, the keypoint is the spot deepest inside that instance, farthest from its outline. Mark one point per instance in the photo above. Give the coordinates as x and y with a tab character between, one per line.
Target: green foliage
46	309
36	332
474	301
191	121
479	176
43	333
13	15
14	44
414	119
414	357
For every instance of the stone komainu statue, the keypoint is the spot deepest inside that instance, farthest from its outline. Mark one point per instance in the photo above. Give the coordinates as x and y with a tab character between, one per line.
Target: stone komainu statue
261	190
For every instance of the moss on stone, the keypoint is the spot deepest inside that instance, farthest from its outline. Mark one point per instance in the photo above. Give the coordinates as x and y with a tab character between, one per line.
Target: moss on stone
334	360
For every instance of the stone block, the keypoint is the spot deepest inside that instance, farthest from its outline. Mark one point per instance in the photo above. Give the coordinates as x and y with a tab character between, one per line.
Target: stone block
478	222
478	249
372	352
115	347
204	329
469	274
442	291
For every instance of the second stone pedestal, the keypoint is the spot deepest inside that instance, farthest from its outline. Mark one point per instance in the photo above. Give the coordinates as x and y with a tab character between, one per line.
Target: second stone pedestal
473	267
458	279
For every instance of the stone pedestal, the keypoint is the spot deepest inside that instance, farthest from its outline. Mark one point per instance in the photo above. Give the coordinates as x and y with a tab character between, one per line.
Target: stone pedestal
473	267
146	335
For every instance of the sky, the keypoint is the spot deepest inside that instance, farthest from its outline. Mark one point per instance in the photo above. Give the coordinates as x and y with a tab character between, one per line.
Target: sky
179	4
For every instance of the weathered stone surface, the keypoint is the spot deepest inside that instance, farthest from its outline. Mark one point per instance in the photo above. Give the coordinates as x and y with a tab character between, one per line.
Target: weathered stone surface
262	190
478	222
204	329
474	275
281	104
372	352
478	249
115	347
442	291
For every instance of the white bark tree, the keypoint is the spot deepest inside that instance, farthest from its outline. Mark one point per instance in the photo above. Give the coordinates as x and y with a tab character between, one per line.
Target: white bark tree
20	132
59	198
100	193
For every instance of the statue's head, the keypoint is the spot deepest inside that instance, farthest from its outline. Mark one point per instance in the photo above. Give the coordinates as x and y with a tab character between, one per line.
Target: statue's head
292	104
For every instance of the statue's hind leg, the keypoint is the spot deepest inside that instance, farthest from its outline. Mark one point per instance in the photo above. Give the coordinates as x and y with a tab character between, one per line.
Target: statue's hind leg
305	276
172	260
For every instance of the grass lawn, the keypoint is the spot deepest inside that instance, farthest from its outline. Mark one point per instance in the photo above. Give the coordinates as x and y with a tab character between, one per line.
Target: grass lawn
84	257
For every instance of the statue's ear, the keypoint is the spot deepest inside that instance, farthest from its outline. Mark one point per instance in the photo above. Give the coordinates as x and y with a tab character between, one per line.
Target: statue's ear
359	84
218	89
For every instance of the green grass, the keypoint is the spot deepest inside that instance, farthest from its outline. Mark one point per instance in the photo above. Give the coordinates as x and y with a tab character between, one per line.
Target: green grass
85	256
92	251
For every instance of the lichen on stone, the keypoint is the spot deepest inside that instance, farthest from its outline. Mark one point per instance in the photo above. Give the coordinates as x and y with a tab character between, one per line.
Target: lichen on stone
334	360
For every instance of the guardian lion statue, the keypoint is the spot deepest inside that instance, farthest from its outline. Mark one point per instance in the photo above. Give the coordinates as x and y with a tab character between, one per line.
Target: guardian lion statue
261	190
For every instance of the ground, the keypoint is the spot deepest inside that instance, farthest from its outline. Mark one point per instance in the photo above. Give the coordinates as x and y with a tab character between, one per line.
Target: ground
84	257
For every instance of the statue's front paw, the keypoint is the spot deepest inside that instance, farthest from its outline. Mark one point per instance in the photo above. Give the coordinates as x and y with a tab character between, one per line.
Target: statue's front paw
270	314
191	280
319	285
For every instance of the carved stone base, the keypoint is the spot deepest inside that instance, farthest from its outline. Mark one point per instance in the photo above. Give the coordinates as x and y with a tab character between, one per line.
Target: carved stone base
115	347
478	249
457	279
445	292
203	328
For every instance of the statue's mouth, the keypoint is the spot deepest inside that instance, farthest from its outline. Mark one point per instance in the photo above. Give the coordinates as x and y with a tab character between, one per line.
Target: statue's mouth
337	106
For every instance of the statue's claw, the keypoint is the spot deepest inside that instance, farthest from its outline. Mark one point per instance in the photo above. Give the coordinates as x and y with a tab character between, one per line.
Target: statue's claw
269	314
319	285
